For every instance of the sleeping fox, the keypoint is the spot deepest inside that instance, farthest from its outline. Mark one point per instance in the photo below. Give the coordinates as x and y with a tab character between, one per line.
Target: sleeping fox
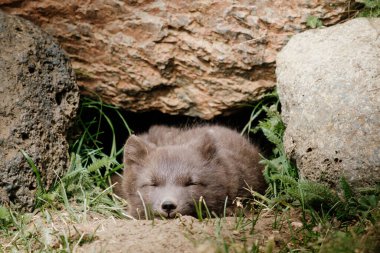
167	169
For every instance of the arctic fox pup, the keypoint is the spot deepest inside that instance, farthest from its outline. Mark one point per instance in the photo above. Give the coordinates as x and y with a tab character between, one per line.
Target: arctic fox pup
168	169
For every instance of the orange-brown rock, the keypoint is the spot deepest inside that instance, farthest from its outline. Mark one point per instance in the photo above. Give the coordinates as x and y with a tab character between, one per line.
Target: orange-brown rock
199	58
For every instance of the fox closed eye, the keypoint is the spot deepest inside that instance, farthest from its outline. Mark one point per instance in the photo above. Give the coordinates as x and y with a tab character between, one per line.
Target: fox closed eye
190	182
149	184
152	183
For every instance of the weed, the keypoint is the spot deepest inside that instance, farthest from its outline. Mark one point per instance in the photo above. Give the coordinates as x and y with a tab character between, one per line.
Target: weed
313	22
202	210
369	8
273	129
5	217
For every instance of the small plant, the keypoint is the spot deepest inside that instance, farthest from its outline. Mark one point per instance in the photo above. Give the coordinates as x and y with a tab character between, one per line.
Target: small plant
313	22
359	205
370	8
352	240
273	129
5	217
201	209
40	192
149	213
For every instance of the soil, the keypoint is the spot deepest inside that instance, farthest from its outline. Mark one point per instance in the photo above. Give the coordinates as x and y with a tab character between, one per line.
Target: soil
183	234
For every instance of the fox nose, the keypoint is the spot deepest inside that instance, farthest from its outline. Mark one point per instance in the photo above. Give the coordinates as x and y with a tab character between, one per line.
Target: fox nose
168	206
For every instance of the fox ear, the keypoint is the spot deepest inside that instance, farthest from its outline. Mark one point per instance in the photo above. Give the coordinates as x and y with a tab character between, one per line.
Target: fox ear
207	147
136	150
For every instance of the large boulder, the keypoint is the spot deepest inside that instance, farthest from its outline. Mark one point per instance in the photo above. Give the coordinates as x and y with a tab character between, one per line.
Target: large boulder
329	87
38	101
199	58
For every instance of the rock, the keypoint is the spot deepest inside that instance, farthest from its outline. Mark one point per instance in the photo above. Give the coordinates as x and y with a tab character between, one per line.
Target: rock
329	87
38	101
199	58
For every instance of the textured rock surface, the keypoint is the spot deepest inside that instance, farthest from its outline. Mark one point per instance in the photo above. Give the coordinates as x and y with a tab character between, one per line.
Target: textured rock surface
38	99
199	58
329	86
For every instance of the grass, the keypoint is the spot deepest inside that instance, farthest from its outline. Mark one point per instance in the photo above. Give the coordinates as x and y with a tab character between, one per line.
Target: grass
87	182
84	191
293	216
369	8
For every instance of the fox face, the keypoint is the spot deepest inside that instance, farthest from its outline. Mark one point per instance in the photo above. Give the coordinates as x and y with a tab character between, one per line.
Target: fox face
168	180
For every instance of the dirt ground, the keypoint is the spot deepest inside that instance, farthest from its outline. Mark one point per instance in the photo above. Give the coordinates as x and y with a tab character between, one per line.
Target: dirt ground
178	235
184	234
91	232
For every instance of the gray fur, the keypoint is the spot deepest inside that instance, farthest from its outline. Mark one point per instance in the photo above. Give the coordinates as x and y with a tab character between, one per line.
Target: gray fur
178	166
